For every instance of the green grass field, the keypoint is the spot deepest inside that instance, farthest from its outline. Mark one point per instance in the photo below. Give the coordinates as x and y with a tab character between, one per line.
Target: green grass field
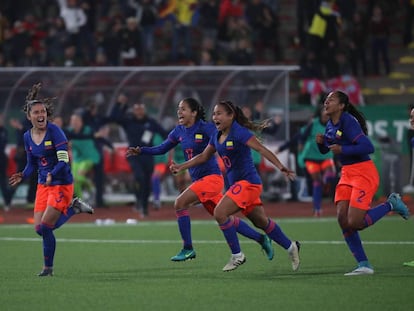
127	267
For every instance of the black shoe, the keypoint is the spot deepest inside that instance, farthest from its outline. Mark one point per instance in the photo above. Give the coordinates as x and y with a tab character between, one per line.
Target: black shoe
46	272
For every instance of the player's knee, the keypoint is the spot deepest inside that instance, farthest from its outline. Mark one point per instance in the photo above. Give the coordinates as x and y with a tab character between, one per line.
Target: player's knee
45	229
38	230
355	223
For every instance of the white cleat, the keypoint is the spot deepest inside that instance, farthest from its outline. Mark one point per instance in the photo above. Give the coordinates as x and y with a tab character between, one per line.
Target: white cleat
360	271
80	206
293	252
235	262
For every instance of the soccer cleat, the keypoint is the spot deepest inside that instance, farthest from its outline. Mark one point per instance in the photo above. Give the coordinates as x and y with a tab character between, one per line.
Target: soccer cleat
361	270
234	262
267	247
398	206
46	272
409	264
184	254
80	206
294	255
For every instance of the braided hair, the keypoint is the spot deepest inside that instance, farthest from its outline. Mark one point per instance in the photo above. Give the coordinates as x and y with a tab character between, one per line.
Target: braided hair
350	108
31	99
196	106
240	117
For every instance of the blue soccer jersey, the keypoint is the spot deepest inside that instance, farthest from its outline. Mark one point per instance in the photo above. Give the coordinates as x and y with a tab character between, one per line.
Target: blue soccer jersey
236	155
193	141
44	156
345	133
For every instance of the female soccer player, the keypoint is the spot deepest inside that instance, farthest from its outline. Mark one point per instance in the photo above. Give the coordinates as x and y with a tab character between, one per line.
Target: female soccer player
346	136
47	152
194	133
411	263
233	142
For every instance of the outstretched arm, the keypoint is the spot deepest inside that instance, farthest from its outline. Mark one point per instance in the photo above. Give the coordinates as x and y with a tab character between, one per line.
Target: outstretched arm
197	160
265	152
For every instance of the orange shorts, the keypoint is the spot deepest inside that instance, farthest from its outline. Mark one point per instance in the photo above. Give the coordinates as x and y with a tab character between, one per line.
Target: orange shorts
209	191
245	195
315	167
58	197
358	184
160	168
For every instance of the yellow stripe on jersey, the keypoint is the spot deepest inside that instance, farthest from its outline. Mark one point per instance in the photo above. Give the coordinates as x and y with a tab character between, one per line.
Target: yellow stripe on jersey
63	155
229	143
48	143
198	136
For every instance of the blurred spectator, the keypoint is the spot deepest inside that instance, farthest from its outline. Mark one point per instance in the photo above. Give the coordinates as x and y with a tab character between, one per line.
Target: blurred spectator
242	54
305	11
140	130
20	157
4	23
55	42
347	9
206	58
20	41
100	59
323	36
231	31
8	47
160	170
230	8
310	66
209	18
76	23
182	30
146	13
98	123
6	191
263	22
379	30
111	43
70	59
30	58
84	156
357	35
408	23
2	60
131	43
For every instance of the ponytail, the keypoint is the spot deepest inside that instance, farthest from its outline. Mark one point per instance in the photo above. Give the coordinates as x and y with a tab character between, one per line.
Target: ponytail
196	106
241	118
350	108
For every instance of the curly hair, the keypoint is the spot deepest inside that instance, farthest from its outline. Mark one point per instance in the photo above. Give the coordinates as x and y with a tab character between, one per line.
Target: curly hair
31	99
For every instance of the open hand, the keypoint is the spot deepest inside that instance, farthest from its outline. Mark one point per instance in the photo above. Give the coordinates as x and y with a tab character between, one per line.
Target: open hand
15	179
133	151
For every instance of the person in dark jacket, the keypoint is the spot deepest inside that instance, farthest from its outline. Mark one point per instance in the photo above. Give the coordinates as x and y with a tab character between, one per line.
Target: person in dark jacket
5	189
140	130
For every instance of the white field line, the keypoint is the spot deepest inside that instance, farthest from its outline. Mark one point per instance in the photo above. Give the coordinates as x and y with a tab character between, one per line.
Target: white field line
96	241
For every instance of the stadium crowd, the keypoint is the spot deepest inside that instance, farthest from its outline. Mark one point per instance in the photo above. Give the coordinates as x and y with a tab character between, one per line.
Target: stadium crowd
334	37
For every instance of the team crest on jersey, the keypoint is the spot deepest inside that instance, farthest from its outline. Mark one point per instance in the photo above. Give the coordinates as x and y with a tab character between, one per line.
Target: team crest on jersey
48	144
198	138
229	145
338	134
